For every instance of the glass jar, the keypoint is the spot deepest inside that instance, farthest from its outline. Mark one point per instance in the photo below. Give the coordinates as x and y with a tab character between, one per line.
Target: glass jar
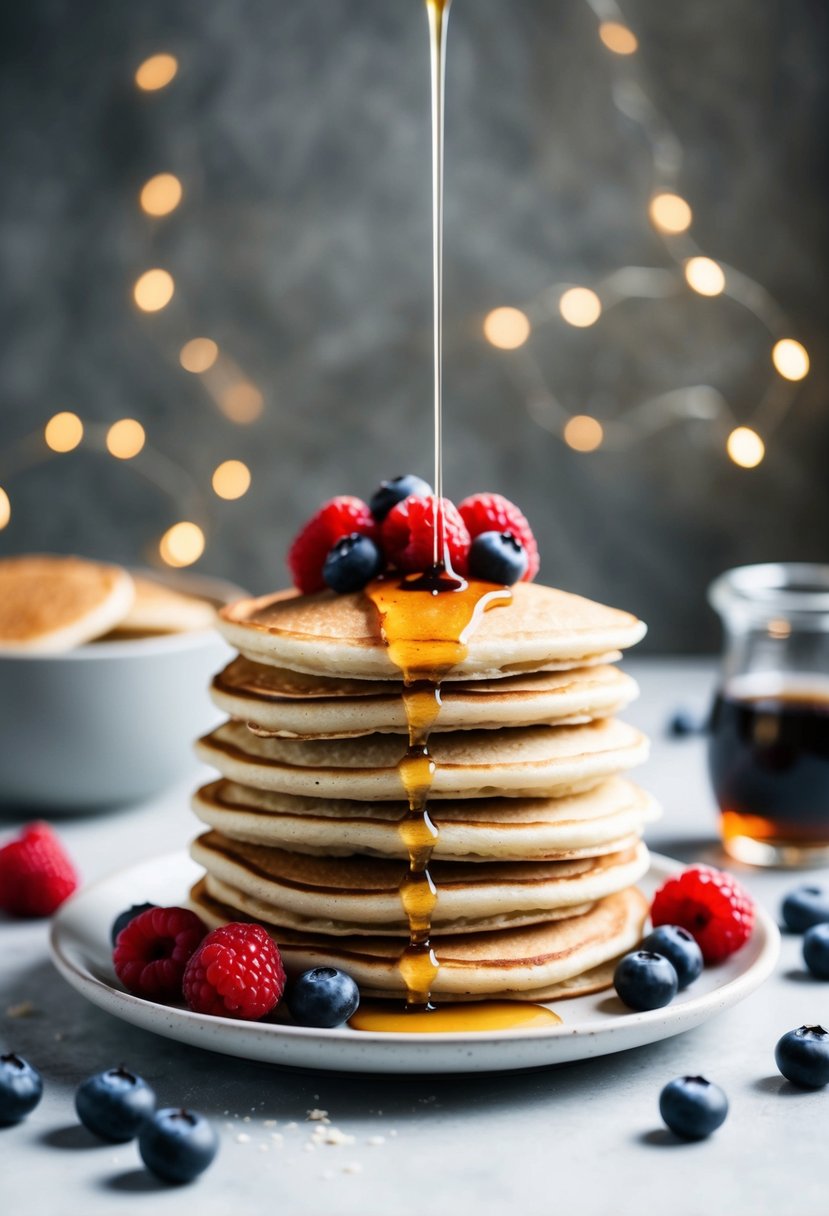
768	748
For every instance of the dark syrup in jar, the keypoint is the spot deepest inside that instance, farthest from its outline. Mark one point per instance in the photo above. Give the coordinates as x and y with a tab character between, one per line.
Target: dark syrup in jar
769	762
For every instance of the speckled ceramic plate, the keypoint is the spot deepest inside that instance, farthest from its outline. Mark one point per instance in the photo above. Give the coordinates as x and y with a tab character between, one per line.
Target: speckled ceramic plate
593	1025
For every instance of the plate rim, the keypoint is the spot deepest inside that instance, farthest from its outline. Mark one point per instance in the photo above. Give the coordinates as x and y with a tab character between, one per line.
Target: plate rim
116	1001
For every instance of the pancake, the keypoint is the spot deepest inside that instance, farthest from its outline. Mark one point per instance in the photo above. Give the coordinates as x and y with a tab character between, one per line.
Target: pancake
270	701
327	633
530	963
605	819
531	761
355	895
51	604
158	609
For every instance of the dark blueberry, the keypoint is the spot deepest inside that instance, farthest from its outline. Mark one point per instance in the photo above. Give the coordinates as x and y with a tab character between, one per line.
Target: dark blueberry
683	722
816	951
114	1104
390	493
497	557
802	1056
645	980
804	907
322	996
692	1107
352	563
177	1145
123	919
680	948
21	1088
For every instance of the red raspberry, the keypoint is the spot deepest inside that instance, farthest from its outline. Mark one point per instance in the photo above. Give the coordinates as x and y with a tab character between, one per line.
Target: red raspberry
408	535
236	972
494	513
36	875
335	519
711	905
152	951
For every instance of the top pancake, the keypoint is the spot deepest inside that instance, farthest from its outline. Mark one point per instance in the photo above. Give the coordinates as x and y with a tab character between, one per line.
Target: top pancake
50	604
327	633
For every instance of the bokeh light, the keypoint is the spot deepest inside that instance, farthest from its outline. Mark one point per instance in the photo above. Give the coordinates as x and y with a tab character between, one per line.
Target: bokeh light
580	306
156	72
618	38
791	359
125	438
161	194
242	402
583	433
507	328
63	432
5	509
745	447
182	544
154	290
705	276
231	479
198	355
670	213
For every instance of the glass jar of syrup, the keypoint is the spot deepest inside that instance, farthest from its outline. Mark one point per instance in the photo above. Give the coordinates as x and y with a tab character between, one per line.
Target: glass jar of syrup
769	741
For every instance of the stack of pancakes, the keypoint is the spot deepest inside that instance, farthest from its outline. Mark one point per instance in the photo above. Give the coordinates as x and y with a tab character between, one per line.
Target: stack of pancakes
539	835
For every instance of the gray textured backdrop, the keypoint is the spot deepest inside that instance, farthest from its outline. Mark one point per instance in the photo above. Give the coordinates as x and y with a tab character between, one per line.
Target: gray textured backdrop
300	133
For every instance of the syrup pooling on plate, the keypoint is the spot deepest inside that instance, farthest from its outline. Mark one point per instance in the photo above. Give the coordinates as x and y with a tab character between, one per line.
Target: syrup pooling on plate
425	621
476	1015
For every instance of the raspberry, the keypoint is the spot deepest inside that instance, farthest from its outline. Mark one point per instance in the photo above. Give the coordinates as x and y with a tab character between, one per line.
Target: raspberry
335	519
494	513
711	905
36	875
408	535
152	951
236	972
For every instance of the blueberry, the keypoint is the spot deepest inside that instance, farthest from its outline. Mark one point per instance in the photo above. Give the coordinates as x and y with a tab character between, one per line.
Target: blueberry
21	1088
352	563
322	996
123	919
497	557
802	1056
390	493
680	948
816	951
683	722
692	1107
177	1145
645	980
114	1104
804	907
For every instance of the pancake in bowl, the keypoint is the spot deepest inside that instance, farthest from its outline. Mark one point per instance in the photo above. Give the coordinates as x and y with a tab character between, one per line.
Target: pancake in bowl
51	604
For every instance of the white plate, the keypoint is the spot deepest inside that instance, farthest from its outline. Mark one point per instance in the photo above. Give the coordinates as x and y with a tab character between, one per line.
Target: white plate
593	1025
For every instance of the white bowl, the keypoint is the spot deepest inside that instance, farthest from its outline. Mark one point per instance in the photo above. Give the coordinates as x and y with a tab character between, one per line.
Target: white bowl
110	722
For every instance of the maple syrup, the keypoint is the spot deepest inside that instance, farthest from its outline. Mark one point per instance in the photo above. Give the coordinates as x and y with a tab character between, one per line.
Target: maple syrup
476	1015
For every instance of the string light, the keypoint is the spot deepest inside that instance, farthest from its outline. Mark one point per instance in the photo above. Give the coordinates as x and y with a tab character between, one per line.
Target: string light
63	432
705	276
583	433
618	38
580	306
507	328
182	545
5	509
745	447
242	402
156	72
670	214
125	439
161	194
198	355
154	290
231	479
791	359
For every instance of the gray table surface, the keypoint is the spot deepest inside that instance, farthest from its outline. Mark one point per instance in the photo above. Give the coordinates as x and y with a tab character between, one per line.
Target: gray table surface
583	1138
